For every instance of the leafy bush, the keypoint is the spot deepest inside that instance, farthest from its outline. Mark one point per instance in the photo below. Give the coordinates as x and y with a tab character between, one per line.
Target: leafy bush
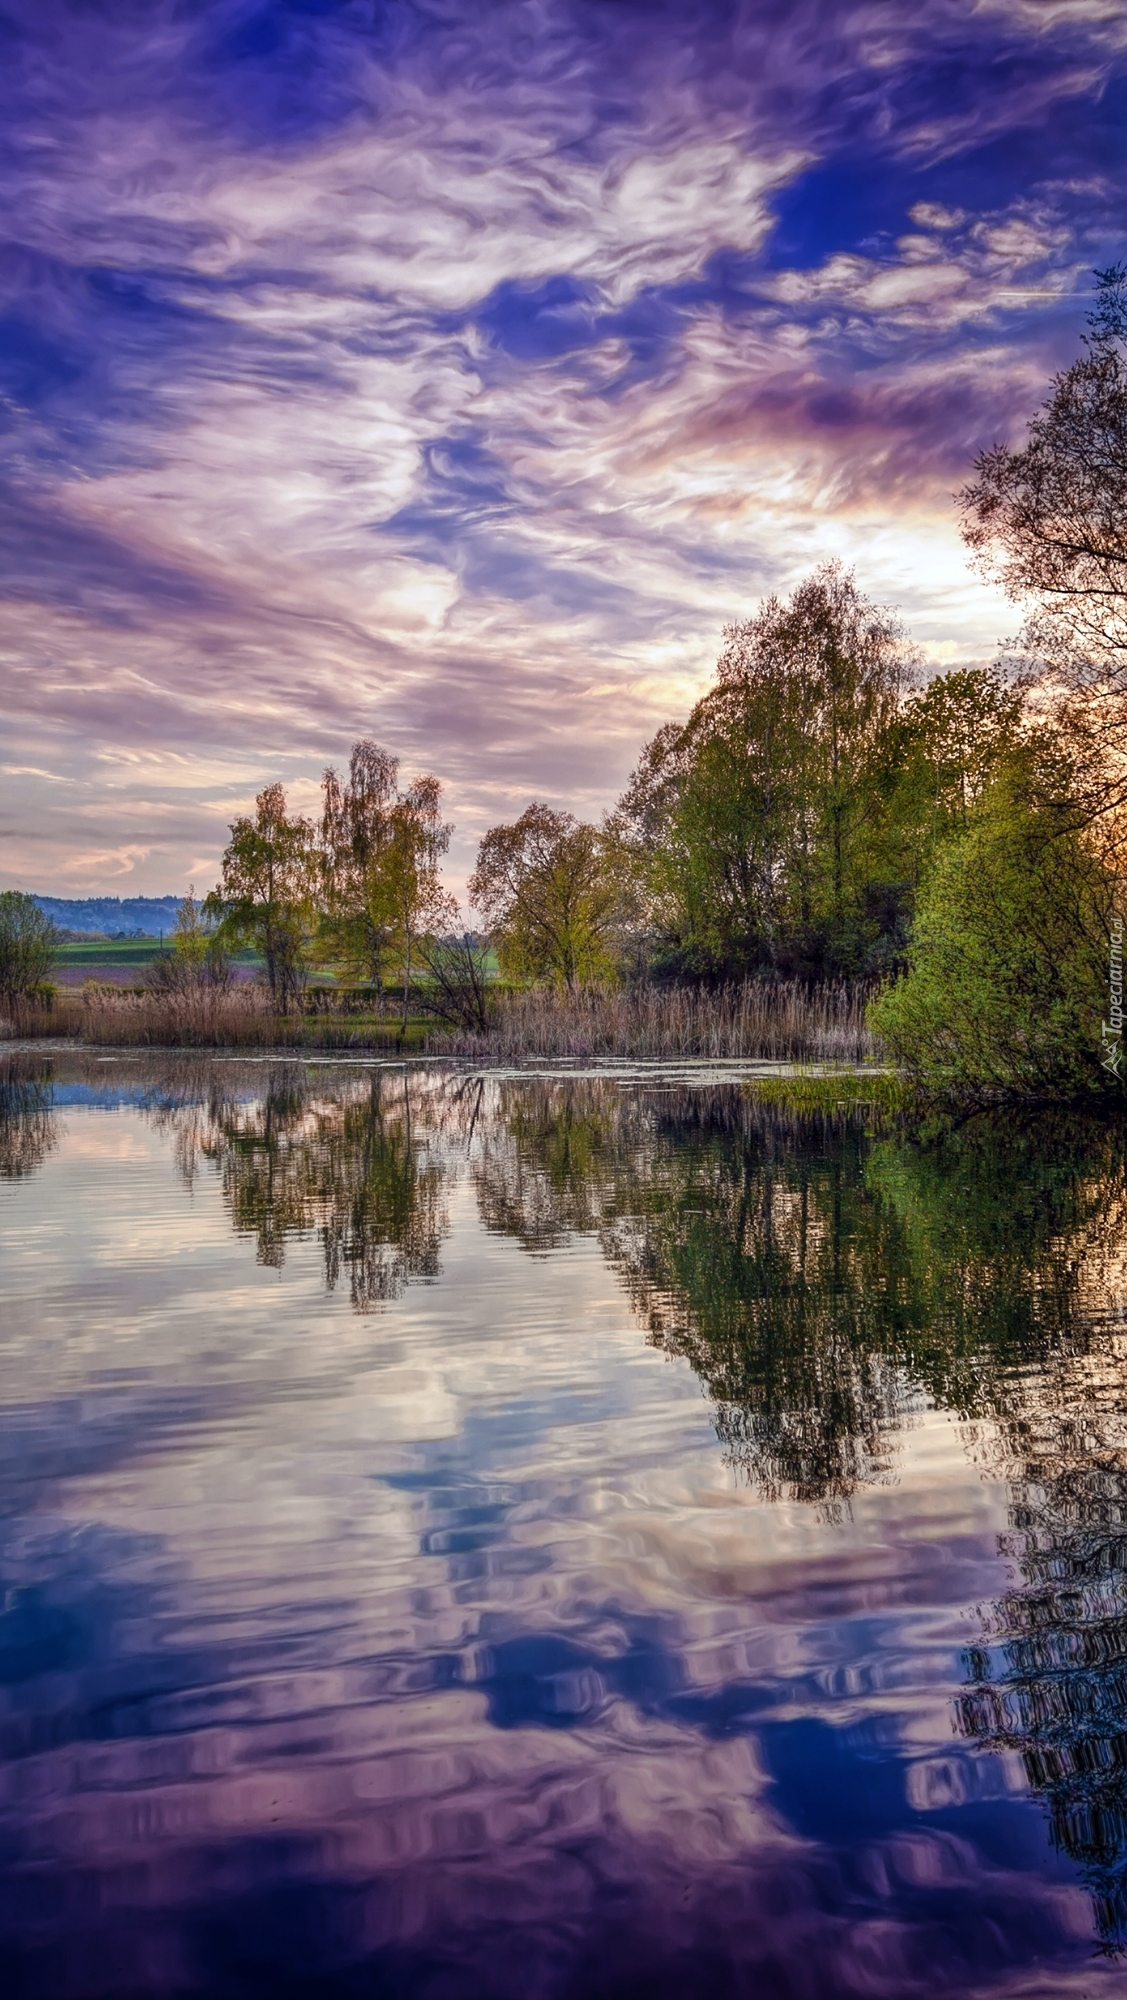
1007	984
27	946
458	989
197	958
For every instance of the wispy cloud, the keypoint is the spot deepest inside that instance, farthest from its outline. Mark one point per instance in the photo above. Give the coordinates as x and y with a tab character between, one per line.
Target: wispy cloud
452	374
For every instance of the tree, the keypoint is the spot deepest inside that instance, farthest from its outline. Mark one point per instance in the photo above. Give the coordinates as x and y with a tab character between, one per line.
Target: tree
457	988
27	945
718	802
1049	520
359	916
381	849
549	898
756	828
1007	987
197	958
267	893
954	736
418	841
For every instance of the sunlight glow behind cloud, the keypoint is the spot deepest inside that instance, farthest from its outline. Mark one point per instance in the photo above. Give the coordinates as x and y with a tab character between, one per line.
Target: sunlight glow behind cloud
452	375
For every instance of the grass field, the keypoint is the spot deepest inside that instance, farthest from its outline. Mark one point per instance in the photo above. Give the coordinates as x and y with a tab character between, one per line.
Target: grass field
136	951
109	951
119	961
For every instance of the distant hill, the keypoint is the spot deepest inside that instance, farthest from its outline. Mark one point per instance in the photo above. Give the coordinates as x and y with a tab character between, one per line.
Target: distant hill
112	916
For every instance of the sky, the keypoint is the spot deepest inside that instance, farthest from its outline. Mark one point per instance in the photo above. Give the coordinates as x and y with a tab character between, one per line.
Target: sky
452	371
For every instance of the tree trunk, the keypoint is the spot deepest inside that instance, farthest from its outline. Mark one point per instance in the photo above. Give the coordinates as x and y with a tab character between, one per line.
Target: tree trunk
406	984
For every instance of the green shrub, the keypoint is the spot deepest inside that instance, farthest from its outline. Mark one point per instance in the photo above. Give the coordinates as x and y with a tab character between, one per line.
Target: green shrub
1007	987
27	945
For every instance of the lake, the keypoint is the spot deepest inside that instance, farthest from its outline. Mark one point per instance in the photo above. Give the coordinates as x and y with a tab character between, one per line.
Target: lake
536	1537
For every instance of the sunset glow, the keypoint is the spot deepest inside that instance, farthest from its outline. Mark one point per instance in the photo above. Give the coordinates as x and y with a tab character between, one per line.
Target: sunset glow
452	374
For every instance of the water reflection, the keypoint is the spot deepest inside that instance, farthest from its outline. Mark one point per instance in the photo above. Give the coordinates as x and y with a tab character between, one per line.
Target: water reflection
27	1126
356	1161
444	1653
1049	1678
821	1278
746	1244
1022	1226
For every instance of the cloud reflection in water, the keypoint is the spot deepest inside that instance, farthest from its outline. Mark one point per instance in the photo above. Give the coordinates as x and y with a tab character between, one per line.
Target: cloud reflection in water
419	1637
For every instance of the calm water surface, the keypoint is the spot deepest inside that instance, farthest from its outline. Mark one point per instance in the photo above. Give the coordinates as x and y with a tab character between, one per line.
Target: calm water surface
538	1539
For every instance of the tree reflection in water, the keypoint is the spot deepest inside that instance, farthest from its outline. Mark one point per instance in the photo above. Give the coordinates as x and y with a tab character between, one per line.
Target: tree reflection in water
1049	1679
27	1127
746	1242
826	1278
823	1279
355	1160
1026	1227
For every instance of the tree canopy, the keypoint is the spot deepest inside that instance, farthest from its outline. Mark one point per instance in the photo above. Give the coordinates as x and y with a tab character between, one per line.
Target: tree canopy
28	941
381	849
759	830
1048	519
549	897
267	896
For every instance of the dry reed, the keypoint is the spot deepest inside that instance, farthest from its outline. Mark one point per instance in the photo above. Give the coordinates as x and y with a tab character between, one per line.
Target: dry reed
239	1017
774	1021
782	1021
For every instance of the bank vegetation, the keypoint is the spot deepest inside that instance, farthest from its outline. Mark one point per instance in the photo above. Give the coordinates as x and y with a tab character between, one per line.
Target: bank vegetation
832	856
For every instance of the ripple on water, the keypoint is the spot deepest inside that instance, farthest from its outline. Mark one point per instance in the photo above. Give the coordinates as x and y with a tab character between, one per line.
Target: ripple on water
512	1536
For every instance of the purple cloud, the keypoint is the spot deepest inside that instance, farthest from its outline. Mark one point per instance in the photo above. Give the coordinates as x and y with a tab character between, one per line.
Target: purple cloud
453	374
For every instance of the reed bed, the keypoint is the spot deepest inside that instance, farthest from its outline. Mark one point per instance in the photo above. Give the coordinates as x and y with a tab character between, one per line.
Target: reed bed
760	1018
240	1017
780	1021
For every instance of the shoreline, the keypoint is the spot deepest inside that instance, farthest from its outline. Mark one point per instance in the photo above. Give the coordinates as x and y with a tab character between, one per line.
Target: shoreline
813	1085
726	1068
